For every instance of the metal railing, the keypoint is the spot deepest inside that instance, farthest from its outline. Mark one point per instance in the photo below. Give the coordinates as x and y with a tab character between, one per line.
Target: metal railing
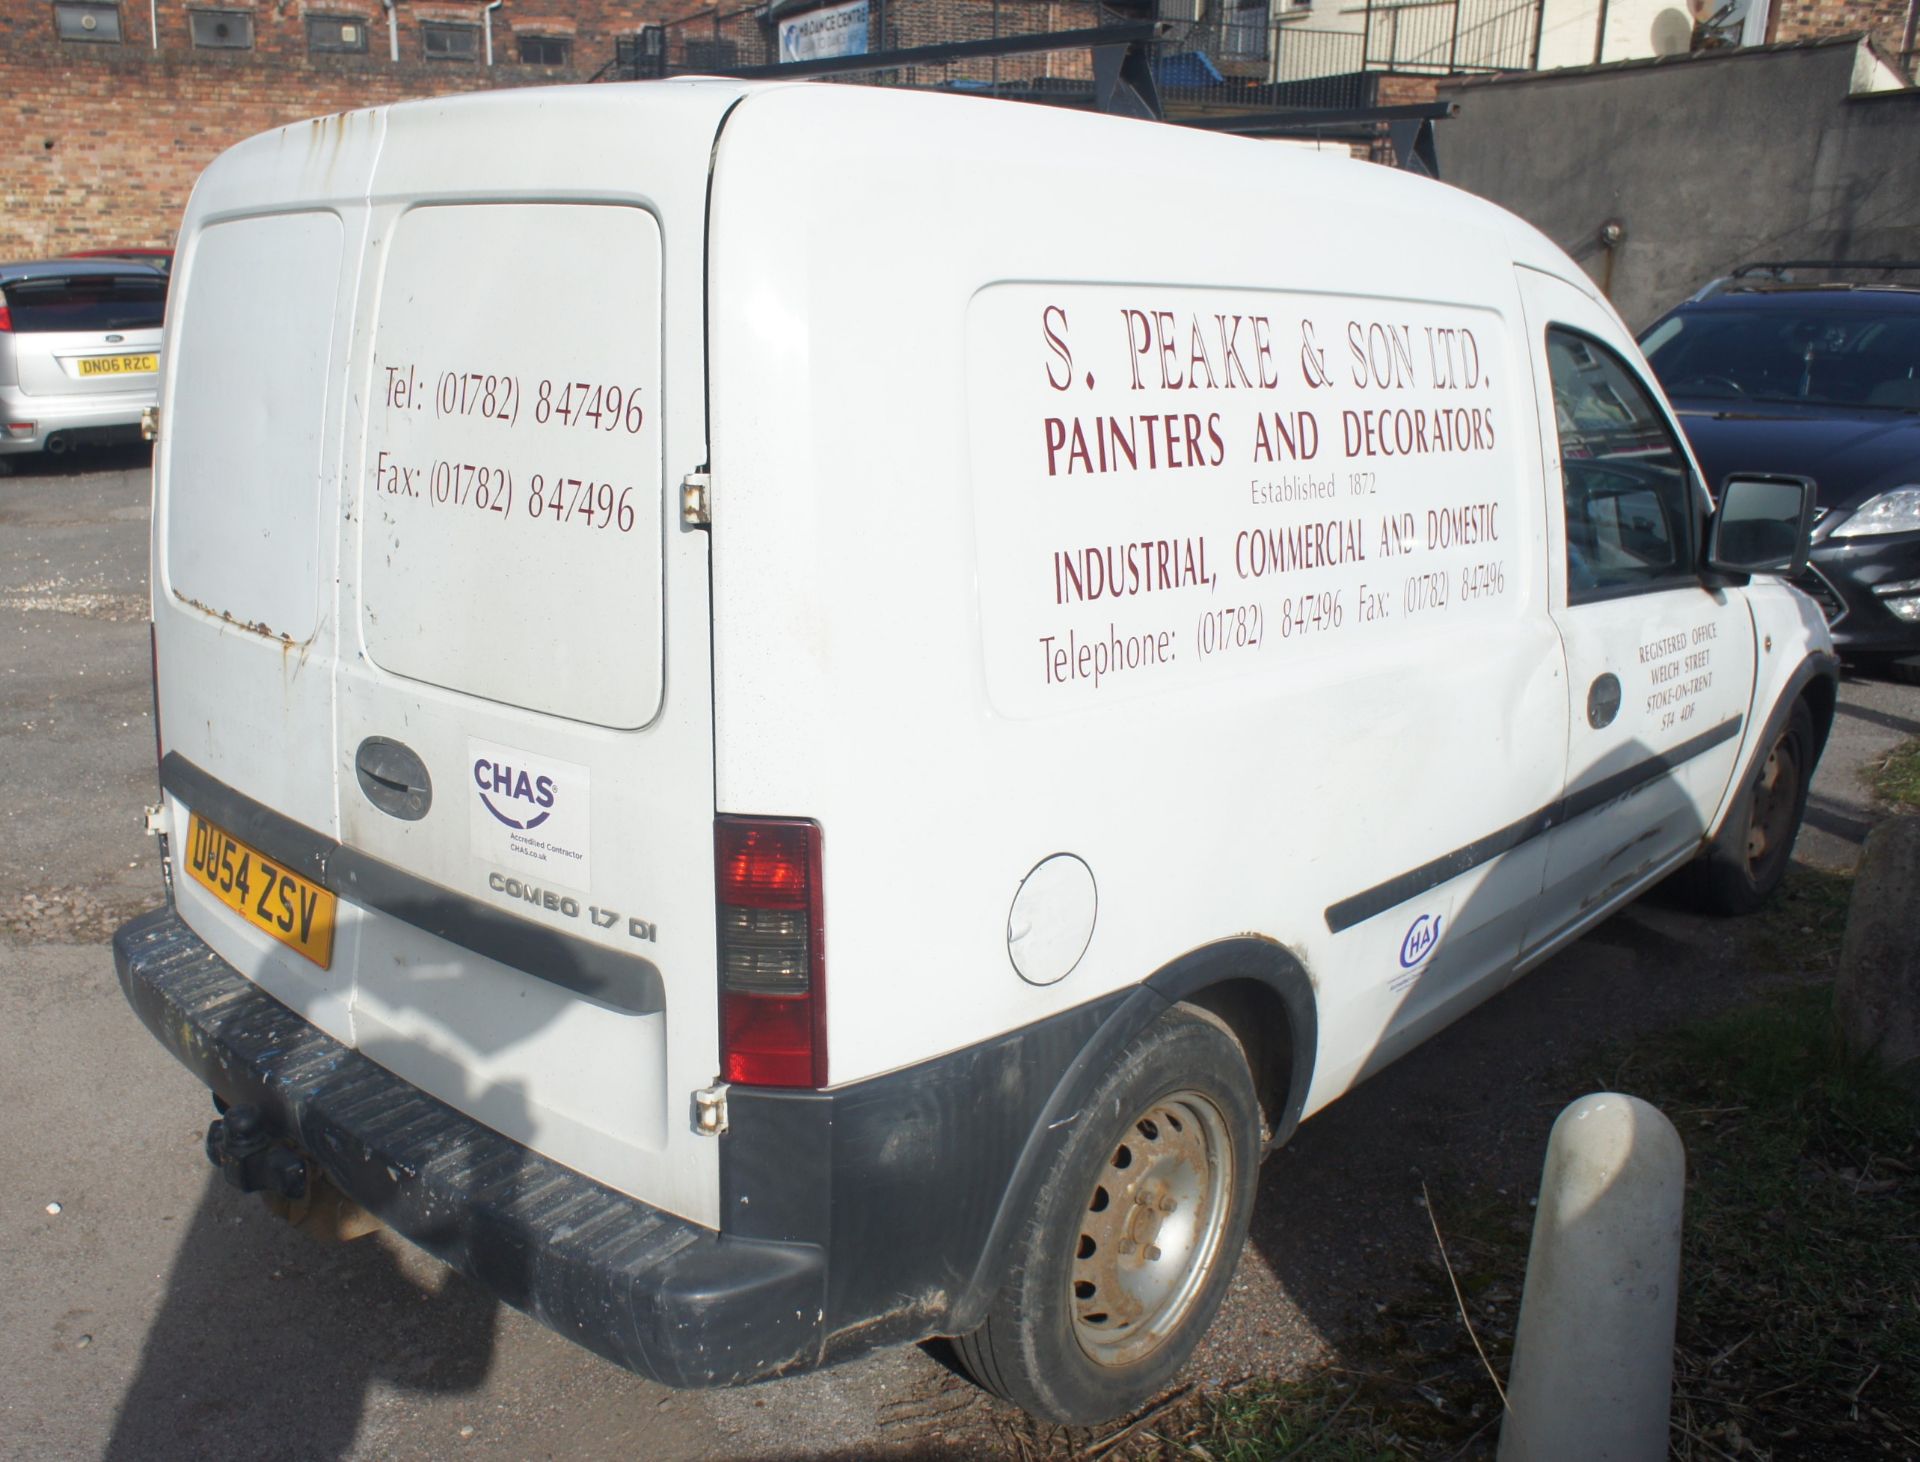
1447	37
1216	55
763	35
1301	53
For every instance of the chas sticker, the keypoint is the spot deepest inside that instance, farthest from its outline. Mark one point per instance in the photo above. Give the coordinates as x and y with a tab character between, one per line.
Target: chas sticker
529	812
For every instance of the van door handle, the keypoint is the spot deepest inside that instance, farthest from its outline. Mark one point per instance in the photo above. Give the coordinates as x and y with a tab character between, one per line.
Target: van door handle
393	778
1603	700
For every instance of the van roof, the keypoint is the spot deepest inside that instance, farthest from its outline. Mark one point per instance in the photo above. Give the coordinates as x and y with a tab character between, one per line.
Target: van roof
883	121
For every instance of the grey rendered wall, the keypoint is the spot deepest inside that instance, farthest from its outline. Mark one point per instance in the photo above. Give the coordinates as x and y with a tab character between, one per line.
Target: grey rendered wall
1708	162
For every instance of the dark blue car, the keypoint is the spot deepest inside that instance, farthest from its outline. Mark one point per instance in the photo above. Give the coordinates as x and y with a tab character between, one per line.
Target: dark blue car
1822	380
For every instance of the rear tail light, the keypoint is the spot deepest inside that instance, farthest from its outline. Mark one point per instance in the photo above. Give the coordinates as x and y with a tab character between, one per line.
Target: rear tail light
6	316
772	952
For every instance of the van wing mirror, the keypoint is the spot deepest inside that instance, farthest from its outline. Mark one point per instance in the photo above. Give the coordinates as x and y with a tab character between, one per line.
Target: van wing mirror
1763	525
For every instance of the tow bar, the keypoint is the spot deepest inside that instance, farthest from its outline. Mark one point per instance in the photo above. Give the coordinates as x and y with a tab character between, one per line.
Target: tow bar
251	1158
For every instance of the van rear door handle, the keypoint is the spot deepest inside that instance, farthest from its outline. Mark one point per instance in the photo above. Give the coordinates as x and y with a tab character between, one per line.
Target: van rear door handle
393	778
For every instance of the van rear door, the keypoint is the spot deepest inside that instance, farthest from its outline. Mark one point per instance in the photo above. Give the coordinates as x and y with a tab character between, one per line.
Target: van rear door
519	740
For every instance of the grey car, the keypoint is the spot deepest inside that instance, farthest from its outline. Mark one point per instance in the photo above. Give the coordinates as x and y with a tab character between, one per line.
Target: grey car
79	351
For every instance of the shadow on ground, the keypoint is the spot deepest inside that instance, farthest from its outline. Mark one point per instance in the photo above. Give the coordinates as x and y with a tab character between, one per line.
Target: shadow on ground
268	1342
125	457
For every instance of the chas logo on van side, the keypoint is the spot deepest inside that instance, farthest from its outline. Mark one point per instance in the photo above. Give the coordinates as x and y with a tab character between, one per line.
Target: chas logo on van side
1420	940
527	800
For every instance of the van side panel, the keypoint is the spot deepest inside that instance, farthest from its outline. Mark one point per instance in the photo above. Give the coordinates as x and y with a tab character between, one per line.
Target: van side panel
930	434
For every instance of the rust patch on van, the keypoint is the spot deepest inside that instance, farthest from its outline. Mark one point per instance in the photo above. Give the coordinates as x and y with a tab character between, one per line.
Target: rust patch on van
1594	900
253	627
910	1311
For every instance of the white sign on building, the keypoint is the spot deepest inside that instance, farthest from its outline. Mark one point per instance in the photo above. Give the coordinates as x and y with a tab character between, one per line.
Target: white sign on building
838	30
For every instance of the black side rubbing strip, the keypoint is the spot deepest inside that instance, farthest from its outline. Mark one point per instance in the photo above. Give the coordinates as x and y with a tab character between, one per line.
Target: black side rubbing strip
1620	783
1410	885
303	850
623	982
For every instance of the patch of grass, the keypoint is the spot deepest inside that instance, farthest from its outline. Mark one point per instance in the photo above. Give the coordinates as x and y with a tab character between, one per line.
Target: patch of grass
1799	1322
1896	778
1800	1294
1320	1418
1800	928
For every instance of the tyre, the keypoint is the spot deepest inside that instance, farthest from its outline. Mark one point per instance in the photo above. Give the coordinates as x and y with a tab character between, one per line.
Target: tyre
1750	857
1135	1233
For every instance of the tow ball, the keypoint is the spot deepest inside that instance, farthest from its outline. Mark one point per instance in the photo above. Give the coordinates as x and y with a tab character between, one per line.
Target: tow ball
250	1157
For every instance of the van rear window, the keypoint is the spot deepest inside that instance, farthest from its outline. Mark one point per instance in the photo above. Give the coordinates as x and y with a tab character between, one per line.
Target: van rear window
87	302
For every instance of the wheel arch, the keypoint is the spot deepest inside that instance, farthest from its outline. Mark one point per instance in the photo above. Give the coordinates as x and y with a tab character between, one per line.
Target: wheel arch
1815	680
1253	984
1263	993
1818	684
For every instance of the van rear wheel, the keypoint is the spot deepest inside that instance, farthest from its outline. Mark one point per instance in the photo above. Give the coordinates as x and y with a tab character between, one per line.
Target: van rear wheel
1136	1232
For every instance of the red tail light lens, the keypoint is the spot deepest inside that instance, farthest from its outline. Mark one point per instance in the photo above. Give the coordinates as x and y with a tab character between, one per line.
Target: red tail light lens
6	317
772	952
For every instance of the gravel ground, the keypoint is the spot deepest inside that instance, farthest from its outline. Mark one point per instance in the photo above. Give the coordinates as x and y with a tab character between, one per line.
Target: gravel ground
148	1312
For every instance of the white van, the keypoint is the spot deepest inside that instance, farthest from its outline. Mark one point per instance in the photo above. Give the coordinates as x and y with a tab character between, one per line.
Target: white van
796	717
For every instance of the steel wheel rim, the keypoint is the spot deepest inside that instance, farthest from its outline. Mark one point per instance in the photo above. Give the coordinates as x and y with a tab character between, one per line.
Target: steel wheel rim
1151	1229
1775	792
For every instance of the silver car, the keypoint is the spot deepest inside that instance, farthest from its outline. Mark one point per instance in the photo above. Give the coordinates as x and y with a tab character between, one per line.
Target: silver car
79	351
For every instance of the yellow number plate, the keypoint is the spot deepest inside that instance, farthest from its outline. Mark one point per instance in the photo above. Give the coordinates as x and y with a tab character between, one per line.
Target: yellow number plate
296	912
119	365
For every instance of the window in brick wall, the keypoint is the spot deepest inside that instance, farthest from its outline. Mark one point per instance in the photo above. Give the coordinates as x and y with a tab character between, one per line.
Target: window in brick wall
450	42
337	34
221	30
83	20
545	51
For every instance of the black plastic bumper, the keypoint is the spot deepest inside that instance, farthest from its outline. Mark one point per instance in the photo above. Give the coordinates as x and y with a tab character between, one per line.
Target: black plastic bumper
676	1302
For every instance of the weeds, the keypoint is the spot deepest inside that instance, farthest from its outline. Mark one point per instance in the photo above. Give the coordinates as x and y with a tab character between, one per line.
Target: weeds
1800	1296
1896	778
1799	930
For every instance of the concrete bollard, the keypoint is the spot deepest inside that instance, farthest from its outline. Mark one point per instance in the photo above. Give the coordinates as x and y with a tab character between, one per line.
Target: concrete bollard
1592	1377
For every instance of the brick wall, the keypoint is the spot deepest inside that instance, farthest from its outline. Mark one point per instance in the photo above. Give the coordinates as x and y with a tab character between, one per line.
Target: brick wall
1805	20
100	143
1406	91
279	31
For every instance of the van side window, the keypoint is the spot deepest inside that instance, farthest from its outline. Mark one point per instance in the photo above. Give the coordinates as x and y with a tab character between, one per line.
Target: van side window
1629	512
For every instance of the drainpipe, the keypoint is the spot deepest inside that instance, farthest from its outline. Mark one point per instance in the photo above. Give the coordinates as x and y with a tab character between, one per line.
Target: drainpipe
153	21
1613	233
487	16
393	32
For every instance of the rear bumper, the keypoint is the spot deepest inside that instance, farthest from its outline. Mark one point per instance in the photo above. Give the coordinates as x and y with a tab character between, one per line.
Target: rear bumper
675	1302
98	418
